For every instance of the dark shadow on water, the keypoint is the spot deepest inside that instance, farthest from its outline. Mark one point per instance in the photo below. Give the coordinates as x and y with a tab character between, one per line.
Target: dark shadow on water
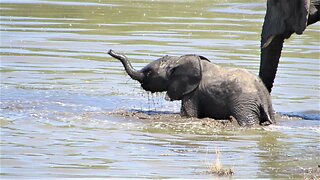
306	115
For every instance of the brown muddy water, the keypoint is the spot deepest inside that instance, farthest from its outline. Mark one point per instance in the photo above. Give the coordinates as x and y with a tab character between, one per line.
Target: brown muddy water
69	110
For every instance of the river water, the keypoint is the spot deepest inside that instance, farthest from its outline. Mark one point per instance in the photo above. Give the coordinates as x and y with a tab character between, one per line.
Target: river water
67	108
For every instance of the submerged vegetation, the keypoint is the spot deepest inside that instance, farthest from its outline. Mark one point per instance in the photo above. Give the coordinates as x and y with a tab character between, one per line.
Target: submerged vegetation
217	168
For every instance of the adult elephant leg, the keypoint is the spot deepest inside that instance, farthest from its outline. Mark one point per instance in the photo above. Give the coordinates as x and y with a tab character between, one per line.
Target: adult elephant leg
269	61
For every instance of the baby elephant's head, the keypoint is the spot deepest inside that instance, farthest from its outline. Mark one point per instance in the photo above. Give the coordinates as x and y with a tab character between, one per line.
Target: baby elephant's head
176	75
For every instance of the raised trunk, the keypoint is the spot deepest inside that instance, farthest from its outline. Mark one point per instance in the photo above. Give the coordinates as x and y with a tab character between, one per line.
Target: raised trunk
134	74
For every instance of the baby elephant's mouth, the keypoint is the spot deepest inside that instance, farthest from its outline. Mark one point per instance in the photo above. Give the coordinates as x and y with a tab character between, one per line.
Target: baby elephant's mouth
152	87
147	88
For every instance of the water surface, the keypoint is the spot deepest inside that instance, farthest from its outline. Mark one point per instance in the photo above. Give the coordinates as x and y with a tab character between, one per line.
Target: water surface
61	93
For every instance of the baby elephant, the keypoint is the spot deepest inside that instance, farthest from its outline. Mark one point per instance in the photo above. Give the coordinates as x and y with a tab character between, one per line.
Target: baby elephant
206	89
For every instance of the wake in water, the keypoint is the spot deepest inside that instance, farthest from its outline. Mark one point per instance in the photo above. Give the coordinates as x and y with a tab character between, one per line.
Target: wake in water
169	121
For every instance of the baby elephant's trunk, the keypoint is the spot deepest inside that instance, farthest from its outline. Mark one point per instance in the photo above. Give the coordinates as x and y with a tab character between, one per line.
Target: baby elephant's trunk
134	74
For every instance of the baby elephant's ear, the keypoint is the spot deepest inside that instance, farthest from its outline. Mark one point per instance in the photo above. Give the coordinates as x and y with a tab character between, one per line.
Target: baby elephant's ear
184	77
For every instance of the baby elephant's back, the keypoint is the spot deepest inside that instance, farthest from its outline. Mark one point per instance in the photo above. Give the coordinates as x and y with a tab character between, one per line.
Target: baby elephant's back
231	80
247	81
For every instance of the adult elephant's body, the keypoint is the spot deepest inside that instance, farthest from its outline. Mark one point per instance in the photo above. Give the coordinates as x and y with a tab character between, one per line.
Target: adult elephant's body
206	89
282	19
